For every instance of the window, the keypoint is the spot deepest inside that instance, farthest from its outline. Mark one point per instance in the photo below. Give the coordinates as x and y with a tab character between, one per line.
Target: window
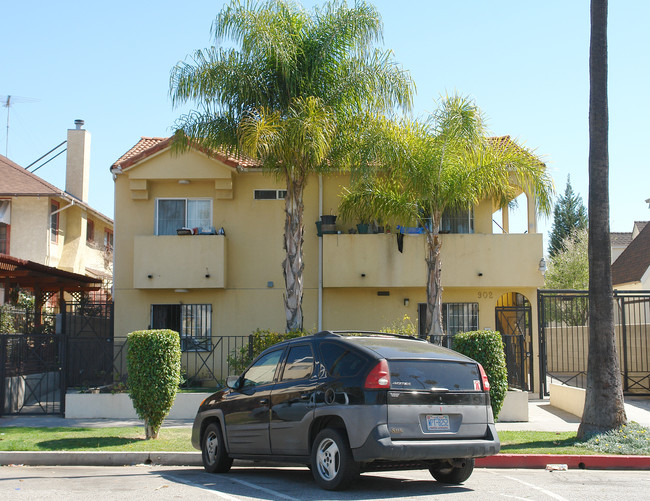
175	213
457	221
4	238
459	317
270	194
90	230
54	222
108	239
340	361
428	374
299	364
192	321
5	221
262	371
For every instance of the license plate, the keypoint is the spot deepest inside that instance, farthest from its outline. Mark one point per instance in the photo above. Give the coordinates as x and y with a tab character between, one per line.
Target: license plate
437	422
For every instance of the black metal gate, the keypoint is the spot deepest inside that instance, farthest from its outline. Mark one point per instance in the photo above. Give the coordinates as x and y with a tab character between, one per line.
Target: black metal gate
564	338
71	348
30	374
513	321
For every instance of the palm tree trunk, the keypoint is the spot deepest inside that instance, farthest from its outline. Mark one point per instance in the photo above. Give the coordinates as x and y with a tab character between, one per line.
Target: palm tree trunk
293	263
604	405
433	323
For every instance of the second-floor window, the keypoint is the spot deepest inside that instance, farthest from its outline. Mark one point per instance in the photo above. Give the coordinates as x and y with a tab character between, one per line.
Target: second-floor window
5	221
90	230
175	213
54	221
108	239
457	221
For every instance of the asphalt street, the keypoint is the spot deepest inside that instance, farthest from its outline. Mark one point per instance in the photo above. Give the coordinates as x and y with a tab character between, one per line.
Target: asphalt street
161	483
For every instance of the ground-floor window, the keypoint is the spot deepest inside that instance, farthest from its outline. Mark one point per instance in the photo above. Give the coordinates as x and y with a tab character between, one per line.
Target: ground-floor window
456	317
192	321
459	317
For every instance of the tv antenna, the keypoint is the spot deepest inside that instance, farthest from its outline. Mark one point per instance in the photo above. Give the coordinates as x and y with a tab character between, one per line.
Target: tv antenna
8	102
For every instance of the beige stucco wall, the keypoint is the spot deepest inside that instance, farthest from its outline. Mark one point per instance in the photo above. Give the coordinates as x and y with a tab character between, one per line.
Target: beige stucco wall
30	228
251	295
30	235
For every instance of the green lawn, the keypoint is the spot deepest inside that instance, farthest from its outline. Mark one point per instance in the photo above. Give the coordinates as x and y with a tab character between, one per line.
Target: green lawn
630	439
93	439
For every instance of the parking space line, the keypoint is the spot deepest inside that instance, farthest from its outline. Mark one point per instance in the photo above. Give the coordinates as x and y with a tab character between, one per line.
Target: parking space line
203	487
540	489
278	495
275	494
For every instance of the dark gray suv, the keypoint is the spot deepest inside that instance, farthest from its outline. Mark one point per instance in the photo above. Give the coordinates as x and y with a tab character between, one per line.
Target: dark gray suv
347	402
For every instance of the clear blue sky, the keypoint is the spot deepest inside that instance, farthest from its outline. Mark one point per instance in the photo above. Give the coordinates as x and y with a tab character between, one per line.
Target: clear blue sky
525	64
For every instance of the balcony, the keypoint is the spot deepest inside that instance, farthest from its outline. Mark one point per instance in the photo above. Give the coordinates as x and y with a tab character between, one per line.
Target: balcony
468	260
179	262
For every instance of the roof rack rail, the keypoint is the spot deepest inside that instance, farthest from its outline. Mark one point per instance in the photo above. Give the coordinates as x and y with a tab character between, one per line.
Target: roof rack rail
377	333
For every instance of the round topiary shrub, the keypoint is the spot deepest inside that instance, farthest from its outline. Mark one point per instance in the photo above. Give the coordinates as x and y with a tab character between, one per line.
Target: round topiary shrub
486	347
154	373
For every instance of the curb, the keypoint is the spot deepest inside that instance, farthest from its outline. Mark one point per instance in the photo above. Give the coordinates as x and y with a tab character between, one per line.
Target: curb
586	462
101	458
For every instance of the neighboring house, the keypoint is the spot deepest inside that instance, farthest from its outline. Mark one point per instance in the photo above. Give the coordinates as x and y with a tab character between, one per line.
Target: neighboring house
620	240
229	283
43	224
631	270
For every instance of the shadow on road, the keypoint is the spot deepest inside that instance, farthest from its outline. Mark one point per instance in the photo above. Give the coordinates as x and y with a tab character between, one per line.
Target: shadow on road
298	483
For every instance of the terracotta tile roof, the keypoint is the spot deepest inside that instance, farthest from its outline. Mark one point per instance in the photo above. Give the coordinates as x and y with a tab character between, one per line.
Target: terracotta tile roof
620	238
148	146
15	181
634	261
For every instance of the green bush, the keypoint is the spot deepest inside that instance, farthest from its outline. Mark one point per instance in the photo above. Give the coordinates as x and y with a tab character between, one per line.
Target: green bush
405	327
154	373
262	339
486	347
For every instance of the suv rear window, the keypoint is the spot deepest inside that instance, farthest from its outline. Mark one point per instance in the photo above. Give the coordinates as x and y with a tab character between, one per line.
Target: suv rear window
434	375
341	361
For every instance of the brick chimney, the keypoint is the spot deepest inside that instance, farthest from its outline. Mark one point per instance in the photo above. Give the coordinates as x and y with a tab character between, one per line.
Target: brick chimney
78	162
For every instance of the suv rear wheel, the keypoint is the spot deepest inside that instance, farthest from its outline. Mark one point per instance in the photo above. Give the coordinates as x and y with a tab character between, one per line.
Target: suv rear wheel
332	463
213	450
454	474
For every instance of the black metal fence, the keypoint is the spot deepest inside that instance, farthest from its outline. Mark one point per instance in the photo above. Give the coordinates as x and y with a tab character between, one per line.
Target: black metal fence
77	349
564	338
207	367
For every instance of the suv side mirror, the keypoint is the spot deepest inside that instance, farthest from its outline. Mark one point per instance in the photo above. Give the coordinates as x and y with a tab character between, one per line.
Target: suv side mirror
232	382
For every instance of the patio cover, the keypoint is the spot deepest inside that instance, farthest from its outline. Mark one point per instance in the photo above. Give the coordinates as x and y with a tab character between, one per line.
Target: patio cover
40	278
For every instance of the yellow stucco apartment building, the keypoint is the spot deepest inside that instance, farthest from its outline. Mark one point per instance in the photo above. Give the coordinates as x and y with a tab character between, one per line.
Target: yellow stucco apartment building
226	280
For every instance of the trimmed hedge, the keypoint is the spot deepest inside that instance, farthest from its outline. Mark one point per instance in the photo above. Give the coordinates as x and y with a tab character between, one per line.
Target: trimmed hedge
154	373
486	347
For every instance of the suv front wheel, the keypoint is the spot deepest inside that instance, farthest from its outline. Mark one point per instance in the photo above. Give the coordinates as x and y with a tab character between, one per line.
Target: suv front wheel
454	474
213	450
332	463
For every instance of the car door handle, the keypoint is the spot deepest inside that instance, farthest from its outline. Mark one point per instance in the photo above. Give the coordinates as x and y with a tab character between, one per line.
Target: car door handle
264	401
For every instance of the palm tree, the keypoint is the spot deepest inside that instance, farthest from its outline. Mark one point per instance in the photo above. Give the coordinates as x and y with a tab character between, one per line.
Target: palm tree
445	164
604	404
288	95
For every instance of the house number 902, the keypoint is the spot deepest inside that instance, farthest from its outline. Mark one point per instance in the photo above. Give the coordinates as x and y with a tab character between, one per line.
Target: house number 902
485	295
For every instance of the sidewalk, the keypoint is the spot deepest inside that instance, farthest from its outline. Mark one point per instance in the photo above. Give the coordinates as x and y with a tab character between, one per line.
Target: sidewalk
542	417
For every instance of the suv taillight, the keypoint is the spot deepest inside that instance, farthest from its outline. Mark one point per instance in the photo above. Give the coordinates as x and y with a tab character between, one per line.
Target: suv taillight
484	378
378	377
